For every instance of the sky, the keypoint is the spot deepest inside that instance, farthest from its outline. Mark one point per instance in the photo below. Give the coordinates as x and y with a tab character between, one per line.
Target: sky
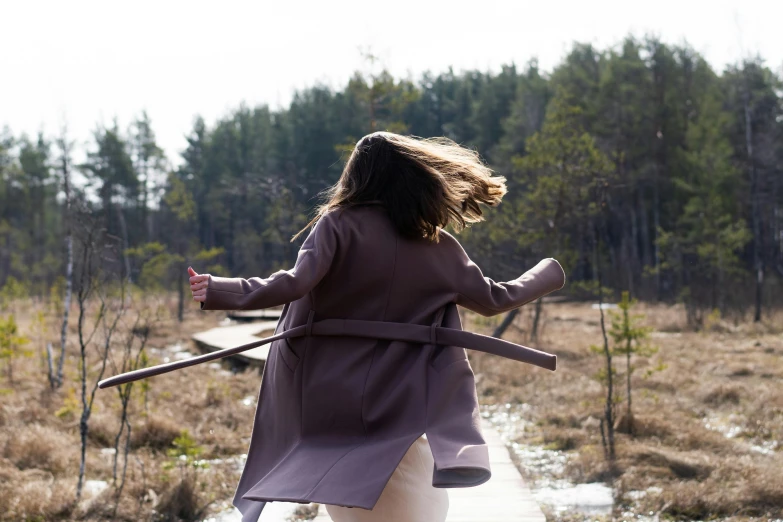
88	62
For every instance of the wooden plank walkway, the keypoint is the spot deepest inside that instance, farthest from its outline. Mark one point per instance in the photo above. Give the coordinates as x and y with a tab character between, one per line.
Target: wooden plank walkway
504	498
254	315
222	337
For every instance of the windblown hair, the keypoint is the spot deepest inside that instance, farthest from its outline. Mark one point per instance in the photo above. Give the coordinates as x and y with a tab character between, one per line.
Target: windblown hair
425	184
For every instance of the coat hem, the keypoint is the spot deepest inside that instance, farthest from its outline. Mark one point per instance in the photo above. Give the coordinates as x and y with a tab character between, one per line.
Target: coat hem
309	497
300	500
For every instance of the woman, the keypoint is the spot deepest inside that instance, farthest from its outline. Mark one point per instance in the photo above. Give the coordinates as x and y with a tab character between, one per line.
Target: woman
351	413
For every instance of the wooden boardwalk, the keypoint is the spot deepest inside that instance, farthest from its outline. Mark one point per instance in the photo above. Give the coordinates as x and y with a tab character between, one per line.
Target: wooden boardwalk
504	498
254	315
231	336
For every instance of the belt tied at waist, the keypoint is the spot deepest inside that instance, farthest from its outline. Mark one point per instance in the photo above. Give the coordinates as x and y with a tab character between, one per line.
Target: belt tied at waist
386	330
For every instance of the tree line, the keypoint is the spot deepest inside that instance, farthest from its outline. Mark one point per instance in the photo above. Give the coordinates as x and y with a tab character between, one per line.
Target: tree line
639	160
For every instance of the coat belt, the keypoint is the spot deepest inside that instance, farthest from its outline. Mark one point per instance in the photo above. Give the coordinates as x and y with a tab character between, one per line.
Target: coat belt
386	330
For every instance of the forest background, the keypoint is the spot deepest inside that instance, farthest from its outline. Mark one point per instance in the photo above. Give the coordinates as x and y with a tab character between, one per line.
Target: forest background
640	158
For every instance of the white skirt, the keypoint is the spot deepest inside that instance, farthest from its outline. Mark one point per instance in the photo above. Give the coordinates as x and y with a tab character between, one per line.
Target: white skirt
407	497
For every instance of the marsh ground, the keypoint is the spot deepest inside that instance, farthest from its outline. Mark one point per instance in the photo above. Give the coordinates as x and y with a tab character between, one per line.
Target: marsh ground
708	426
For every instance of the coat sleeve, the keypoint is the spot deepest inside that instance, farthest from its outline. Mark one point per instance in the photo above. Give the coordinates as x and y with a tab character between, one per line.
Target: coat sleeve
312	263
487	297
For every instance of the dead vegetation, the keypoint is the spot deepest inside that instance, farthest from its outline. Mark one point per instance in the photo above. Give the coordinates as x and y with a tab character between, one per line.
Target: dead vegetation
707	427
39	435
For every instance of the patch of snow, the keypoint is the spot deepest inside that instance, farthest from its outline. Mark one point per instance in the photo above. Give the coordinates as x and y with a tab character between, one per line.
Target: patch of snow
273	512
732	425
545	466
238	461
729	426
594	498
227	515
176	347
665	334
636	495
766	447
95	487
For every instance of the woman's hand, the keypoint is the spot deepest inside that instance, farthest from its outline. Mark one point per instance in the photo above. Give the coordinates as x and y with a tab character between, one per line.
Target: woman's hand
198	285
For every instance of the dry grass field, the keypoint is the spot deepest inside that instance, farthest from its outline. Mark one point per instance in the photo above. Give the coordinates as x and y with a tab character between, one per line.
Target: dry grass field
39	435
708	425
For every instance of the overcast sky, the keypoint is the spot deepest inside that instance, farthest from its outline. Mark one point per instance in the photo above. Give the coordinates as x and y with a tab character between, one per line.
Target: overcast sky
88	62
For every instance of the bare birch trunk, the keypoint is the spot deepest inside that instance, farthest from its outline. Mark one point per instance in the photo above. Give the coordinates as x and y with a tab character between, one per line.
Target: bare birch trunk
55	381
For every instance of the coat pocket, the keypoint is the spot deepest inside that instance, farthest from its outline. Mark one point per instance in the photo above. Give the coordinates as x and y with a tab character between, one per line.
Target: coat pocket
288	354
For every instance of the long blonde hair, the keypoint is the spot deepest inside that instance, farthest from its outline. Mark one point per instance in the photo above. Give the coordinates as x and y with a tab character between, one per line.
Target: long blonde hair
424	183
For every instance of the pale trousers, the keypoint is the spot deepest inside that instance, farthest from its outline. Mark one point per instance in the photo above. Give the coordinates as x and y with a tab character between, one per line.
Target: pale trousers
407	497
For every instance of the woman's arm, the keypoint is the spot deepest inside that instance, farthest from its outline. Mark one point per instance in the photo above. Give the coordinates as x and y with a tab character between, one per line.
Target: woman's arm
487	297
312	263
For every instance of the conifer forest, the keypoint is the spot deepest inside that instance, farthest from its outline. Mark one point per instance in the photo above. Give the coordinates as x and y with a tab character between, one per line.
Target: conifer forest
640	159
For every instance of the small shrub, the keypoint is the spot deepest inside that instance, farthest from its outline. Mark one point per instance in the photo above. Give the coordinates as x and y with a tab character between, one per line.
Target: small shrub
157	433
182	502
185	452
71	406
38	447
682	466
216	394
647	426
103	430
34	496
12	290
564	439
723	394
12	344
742	372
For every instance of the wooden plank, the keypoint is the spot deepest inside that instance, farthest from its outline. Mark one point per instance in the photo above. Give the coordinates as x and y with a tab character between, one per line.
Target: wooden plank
231	336
254	315
504	498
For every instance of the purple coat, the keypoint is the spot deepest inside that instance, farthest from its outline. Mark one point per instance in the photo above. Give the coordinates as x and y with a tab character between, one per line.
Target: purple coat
336	413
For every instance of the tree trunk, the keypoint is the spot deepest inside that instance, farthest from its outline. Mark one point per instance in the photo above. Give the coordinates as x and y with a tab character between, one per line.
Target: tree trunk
66	307
55	381
144	201
507	320
629	414
124	230
656	227
634	256
49	358
180	294
756	213
644	229
536	320
609	405
83	427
